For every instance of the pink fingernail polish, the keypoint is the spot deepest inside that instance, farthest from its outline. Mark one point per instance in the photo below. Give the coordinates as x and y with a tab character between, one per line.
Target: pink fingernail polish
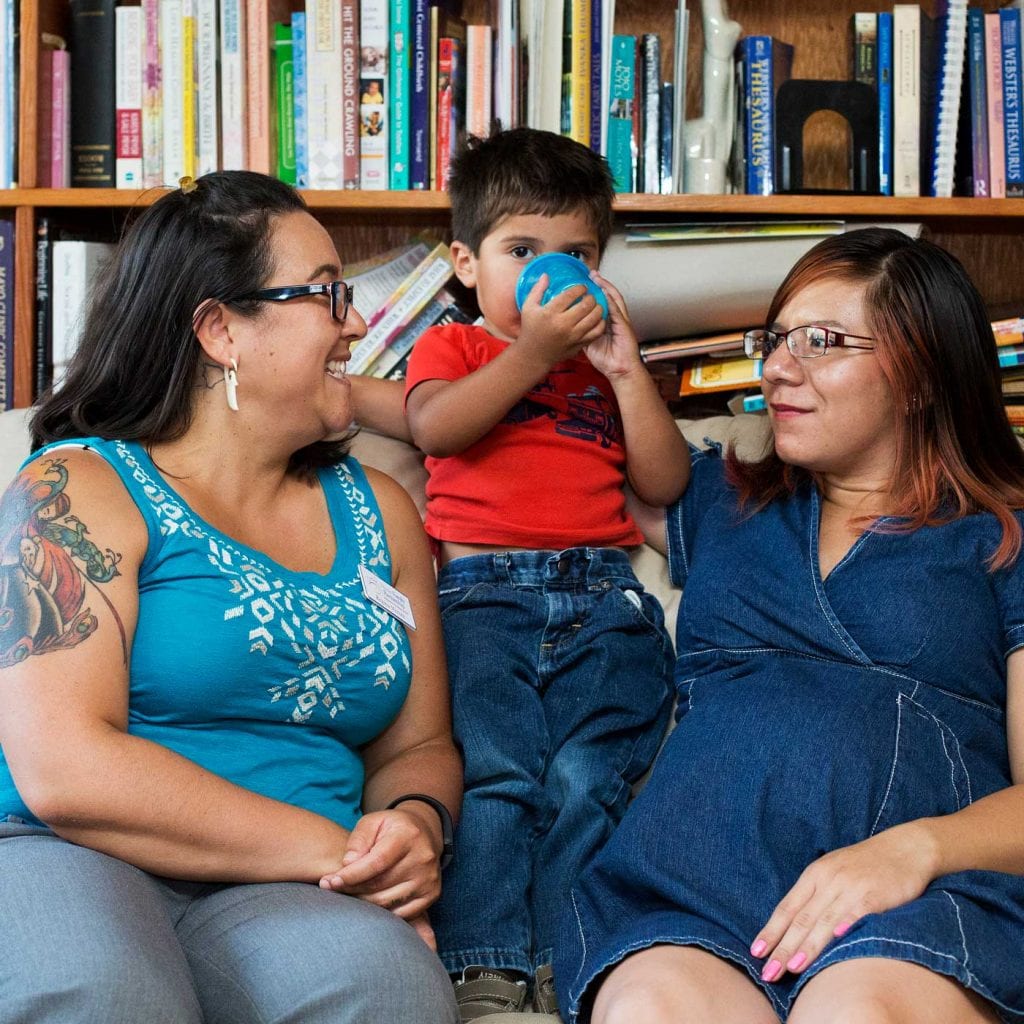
759	948
796	961
772	971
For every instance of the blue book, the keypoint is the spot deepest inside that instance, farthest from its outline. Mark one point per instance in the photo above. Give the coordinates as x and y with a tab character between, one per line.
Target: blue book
621	99
885	102
299	101
419	96
951	53
766	65
1011	355
754	403
6	313
401	25
8	94
979	100
1013	116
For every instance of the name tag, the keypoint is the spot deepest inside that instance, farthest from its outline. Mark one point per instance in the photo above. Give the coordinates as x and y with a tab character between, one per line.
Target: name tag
384	596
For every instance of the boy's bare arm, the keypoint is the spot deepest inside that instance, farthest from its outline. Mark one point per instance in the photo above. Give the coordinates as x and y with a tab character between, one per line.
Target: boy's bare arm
657	456
446	417
380	406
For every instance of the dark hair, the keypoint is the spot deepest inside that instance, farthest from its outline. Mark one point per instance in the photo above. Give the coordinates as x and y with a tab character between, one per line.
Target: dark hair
522	171
955	451
138	364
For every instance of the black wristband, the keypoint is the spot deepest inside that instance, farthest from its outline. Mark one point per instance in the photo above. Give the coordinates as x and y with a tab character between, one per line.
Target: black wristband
447	831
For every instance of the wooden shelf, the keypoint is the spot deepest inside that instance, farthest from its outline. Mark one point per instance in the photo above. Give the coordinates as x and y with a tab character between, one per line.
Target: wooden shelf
830	205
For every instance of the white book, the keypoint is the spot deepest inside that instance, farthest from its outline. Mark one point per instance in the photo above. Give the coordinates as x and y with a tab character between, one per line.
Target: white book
374	101
206	87
951	72
75	267
506	63
233	130
906	103
679	91
323	93
172	79
152	97
607	33
128	60
377	279
546	74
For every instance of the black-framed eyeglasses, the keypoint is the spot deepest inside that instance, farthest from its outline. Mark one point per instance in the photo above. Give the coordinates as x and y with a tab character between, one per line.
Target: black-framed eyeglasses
340	293
805	342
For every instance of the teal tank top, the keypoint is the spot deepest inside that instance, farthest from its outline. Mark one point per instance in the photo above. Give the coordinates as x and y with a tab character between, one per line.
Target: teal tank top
270	678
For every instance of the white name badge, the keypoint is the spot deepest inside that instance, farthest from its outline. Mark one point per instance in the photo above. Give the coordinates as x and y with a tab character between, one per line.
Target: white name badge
384	596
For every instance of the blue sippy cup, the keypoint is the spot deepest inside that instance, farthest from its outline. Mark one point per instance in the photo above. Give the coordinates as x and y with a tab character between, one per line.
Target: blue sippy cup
563	272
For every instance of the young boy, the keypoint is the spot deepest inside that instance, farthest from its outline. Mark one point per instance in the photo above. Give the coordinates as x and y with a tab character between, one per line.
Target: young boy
559	662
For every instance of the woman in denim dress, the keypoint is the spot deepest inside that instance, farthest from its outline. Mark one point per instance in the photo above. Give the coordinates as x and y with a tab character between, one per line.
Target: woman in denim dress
835	828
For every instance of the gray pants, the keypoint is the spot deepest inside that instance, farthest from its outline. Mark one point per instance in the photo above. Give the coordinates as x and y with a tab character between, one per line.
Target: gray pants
88	938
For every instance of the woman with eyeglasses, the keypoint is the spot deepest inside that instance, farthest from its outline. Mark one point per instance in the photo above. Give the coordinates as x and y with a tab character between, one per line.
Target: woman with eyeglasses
226	766
834	831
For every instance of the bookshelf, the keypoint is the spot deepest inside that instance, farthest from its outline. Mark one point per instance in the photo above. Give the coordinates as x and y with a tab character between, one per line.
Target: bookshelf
986	234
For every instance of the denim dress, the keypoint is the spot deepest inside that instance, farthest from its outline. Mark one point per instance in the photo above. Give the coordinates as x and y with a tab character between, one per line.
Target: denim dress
813	714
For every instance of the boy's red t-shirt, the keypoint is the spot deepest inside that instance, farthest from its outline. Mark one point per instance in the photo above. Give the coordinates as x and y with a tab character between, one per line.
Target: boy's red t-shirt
549	475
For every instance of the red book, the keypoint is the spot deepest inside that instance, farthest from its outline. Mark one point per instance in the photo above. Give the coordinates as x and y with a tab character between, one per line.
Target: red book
54	117
444	109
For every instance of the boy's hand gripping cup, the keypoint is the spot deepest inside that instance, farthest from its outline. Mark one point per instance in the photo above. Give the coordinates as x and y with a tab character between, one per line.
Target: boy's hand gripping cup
563	272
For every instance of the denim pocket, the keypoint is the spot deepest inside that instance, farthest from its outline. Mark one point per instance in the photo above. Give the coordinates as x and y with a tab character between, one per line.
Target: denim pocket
642	607
928	776
449	598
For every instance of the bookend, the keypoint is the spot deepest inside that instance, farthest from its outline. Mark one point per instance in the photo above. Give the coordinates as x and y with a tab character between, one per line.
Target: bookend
796	101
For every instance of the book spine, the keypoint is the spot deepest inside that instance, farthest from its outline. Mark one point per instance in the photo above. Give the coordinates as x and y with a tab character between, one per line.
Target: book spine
152	98
479	45
374	40
284	97
128	96
979	100
994	90
299	104
46	119
651	65
864	32
506	62
666	107
323	94
171	70
399	82
8	92
579	124
1013	121
679	61
621	156
408	336
42	362
188	78
419	106
349	93
885	100
92	113
906	123
414	293
234	128
257	80
946	123
444	109
596	114
757	79
6	313
207	130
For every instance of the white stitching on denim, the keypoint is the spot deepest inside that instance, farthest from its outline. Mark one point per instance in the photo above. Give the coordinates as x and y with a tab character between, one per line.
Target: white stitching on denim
943	729
895	759
963	937
583	937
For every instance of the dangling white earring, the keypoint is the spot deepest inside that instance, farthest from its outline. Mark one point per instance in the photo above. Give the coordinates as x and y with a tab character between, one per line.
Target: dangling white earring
231	385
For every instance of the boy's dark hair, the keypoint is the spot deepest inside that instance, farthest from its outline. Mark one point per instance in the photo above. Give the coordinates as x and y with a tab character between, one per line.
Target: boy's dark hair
524	170
138	364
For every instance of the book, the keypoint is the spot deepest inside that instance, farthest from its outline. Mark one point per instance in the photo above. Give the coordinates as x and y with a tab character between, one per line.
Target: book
76	264
728	343
666	109
544	81
679	56
621	152
441	309
1011	355
42	361
54	113
324	93
284	102
443	24
402	306
375	279
650	77
399	82
579	71
299	100
9	55
952	52
93	127
234	129
152	97
172	90
6	313
907	77
419	100
598	66
1013	117
994	92
1008	330
350	93
864	37
506	62
207	125
128	96
706	374
190	143
767	63
979	101
479	75
885	102
374	113
259	123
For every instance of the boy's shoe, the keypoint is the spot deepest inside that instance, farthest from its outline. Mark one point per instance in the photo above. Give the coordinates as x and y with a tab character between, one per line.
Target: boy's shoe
544	998
482	991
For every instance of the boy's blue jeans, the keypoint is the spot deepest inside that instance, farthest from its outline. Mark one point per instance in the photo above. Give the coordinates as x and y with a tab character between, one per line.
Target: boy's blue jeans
560	670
